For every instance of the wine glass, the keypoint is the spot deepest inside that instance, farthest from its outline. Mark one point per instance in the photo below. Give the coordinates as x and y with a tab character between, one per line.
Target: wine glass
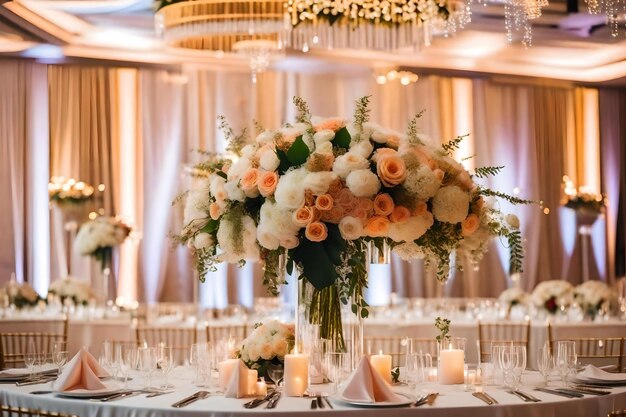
275	373
147	362
520	365
336	367
565	358
106	355
165	362
507	360
59	354
126	359
30	357
545	363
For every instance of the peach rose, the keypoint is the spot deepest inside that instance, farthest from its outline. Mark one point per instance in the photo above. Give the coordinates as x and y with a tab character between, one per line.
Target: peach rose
249	181
393	141
465	181
335	187
309	198
432	165
439	174
215	211
344	198
324	202
329	124
333	215
470	224
478	205
391	171
268	180
399	214
316	231
303	216
360	213
366	204
383	204
377	226
420	209
382	153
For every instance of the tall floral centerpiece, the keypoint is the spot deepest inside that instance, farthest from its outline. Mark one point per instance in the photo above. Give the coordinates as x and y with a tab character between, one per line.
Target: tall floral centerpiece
549	295
317	191
97	238
594	297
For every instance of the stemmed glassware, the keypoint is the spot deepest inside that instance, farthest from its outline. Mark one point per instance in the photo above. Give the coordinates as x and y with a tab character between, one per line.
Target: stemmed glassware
566	359
545	363
275	373
147	362
508	359
520	365
30	357
59	354
165	362
125	359
337	367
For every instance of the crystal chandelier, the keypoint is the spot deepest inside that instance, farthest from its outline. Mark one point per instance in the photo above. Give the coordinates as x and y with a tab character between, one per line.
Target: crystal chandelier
384	25
256	29
615	11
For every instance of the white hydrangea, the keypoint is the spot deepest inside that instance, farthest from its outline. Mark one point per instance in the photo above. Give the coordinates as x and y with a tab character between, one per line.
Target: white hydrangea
422	182
411	229
197	202
102	232
451	204
240	167
266	137
363	183
276	226
289	192
592	294
362	148
234	192
235	248
409	251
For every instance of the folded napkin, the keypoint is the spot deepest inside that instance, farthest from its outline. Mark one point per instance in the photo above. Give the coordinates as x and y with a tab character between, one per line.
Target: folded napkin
242	382
12	372
592	373
82	372
365	384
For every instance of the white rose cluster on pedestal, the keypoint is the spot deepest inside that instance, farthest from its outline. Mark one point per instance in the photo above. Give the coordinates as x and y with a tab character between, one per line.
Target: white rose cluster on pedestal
549	295
593	295
101	233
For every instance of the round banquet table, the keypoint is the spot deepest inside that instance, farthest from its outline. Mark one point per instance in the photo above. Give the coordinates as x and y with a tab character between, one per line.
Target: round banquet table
453	400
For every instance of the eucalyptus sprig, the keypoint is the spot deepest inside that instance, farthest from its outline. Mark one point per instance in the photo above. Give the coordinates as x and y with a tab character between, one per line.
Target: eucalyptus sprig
443	325
483	172
453	144
510	198
304	114
235	142
362	112
411	130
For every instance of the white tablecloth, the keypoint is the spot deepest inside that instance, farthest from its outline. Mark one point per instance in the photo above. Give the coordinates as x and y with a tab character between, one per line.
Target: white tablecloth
453	400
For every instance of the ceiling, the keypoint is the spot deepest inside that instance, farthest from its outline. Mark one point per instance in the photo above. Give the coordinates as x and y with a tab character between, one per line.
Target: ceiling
566	45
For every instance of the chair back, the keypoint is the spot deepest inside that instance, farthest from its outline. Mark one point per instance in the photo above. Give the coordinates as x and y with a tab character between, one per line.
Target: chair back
11	411
13	345
217	332
489	333
179	339
598	351
398	347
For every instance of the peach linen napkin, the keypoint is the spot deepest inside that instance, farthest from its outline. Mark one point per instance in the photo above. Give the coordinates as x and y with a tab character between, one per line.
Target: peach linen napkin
242	382
82	372
366	385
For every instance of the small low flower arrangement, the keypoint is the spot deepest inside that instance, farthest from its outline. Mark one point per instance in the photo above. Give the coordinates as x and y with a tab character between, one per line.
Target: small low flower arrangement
19	295
267	345
593	296
99	236
514	296
548	294
70	288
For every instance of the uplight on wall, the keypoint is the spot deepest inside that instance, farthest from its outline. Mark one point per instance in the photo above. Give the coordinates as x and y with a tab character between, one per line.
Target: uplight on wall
403	77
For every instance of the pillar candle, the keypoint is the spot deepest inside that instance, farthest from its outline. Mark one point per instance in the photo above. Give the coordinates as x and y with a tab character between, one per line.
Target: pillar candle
432	374
252	377
451	366
296	377
261	388
226	369
382	364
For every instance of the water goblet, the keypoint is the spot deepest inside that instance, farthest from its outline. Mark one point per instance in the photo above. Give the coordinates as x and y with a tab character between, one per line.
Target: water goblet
565	358
520	365
30	357
147	362
336	368
165	362
275	373
545	363
59	354
507	361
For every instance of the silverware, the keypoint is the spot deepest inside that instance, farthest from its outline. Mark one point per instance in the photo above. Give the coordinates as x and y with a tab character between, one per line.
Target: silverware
493	400
120	395
41	392
200	395
431	398
320	402
325	396
530	397
24	383
591	391
559	393
314	404
258	401
422	399
273	401
520	396
571	392
481	396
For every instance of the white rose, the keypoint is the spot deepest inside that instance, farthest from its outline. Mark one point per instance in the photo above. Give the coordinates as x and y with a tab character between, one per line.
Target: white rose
289	242
513	221
325	148
349	162
363	148
412	229
196	205
203	241
289	192
239	168
249	150
318	182
217	188
267	238
234	192
276	221
265	137
363	183
323	136
269	161
351	228
451	204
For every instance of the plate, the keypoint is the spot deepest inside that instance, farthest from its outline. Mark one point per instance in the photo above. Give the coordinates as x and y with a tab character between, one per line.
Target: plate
407	400
85	393
599	382
18	374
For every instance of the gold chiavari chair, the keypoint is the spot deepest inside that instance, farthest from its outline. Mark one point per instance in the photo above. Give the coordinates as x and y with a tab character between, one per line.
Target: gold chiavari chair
13	345
598	351
10	411
490	333
217	332
179	339
389	345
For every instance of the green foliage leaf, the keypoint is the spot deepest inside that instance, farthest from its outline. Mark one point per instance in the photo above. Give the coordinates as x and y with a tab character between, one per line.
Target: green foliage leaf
284	161
453	144
298	152
484	172
210	227
342	138
222	174
316	264
511	199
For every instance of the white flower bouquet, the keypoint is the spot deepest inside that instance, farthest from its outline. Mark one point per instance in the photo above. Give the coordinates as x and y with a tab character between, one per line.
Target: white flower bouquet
267	345
98	237
70	288
514	296
20	295
319	190
592	295
67	190
549	295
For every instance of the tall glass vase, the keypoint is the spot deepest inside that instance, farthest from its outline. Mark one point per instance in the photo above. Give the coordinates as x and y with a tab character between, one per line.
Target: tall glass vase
103	279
